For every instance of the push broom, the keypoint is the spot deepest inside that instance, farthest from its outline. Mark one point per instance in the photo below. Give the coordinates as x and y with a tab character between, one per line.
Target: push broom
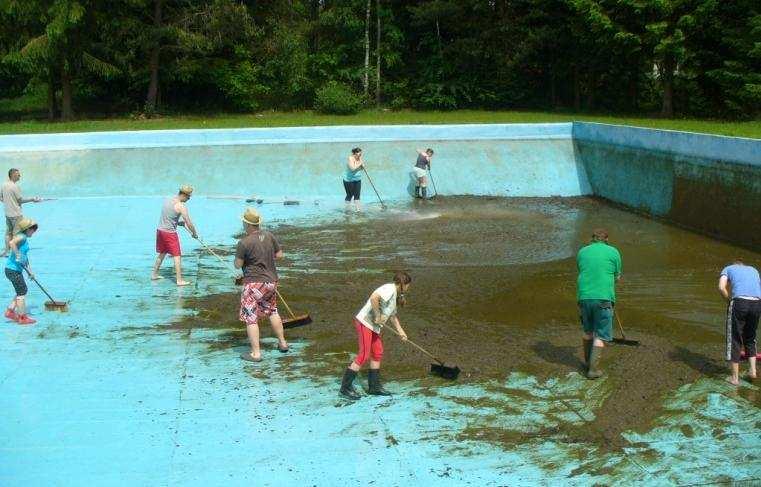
293	322
439	368
51	305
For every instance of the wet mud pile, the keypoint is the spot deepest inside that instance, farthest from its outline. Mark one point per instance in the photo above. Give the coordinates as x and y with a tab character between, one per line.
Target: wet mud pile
494	292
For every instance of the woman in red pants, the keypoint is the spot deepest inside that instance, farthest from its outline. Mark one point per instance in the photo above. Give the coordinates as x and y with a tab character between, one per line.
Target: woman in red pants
380	308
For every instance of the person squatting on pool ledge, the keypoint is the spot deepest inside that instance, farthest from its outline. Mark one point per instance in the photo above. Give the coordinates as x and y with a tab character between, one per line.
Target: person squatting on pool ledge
743	311
599	266
17	260
167	240
353	177
368	323
256	254
422	165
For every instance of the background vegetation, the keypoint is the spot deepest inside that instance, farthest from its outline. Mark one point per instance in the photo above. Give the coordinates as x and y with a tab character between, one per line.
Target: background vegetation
698	58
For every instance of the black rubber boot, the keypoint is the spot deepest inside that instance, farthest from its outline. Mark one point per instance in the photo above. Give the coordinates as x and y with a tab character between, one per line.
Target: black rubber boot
594	371
587	349
417	191
374	386
347	387
424	192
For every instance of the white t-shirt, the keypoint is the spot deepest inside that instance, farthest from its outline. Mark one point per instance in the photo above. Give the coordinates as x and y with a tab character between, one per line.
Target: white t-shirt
387	293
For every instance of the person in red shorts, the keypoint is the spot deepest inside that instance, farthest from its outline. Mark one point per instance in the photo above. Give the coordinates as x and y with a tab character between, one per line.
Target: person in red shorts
256	254
368	323
167	240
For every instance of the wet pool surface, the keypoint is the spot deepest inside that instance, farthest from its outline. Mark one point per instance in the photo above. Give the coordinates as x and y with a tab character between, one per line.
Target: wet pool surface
141	383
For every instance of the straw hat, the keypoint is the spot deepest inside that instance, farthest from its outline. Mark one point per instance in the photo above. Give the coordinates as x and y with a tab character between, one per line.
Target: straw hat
25	224
251	216
186	189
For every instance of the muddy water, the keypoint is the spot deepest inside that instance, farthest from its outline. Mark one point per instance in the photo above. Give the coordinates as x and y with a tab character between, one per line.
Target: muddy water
494	292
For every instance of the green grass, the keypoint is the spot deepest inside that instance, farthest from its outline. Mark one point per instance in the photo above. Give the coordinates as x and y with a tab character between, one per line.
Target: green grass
372	117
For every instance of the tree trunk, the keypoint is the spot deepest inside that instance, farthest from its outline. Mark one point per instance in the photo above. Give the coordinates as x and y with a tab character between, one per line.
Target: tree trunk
153	62
377	53
592	91
52	102
366	79
576	88
553	89
667	79
438	35
314	16
67	113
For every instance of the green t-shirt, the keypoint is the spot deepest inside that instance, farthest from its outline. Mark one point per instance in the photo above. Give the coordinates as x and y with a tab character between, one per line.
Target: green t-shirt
599	265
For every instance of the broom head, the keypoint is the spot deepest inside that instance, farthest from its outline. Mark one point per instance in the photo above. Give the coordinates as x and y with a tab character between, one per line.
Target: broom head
61	306
297	321
445	372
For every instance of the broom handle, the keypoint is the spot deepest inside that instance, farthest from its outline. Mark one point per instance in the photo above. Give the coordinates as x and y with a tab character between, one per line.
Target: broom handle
227	264
414	344
223	261
371	184
38	283
620	327
430	174
286	304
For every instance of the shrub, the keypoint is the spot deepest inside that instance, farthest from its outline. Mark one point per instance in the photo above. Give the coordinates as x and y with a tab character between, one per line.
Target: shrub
337	98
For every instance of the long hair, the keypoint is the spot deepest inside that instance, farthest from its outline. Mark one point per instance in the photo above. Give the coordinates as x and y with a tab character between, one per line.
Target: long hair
400	278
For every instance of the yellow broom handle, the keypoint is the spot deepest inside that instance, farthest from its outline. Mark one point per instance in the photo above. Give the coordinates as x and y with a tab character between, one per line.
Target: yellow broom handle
286	304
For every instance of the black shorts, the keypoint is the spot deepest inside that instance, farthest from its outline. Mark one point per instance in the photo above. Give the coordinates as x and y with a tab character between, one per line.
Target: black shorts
352	188
742	322
17	279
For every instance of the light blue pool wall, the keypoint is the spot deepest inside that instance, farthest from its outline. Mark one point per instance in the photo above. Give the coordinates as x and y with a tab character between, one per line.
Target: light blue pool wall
522	160
708	183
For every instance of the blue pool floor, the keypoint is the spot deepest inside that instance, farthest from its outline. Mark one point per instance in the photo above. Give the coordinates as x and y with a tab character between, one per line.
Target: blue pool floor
87	400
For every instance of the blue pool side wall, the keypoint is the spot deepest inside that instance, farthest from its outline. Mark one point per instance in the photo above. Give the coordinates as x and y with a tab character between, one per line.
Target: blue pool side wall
711	184
708	183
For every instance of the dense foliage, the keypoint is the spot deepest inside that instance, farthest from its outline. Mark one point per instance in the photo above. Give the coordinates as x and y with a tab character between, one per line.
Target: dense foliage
690	57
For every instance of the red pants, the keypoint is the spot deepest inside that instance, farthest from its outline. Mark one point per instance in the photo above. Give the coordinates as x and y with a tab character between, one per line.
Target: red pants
167	243
370	343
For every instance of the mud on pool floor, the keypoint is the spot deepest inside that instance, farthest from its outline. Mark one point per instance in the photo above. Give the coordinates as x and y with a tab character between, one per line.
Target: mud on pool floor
494	292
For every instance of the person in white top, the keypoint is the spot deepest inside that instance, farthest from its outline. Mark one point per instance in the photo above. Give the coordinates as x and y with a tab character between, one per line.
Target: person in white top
10	194
369	322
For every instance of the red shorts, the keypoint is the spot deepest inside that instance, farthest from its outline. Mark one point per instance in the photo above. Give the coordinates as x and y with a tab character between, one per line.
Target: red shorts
257	299
370	344
167	243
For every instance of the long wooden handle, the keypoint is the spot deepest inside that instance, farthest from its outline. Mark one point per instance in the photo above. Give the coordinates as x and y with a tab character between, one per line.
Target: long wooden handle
620	327
383	205
286	304
414	344
38	283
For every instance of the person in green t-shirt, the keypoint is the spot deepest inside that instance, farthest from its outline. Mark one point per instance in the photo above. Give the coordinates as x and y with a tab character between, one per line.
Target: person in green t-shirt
599	265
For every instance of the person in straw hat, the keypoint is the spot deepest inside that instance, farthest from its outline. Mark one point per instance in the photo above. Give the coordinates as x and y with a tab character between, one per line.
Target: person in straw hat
17	261
256	254
167	240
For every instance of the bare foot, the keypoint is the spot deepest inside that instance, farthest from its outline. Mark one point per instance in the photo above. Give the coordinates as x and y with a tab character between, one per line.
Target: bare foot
183	283
156	277
731	380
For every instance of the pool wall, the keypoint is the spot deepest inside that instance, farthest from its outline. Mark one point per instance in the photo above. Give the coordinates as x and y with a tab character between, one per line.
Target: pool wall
707	183
505	160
